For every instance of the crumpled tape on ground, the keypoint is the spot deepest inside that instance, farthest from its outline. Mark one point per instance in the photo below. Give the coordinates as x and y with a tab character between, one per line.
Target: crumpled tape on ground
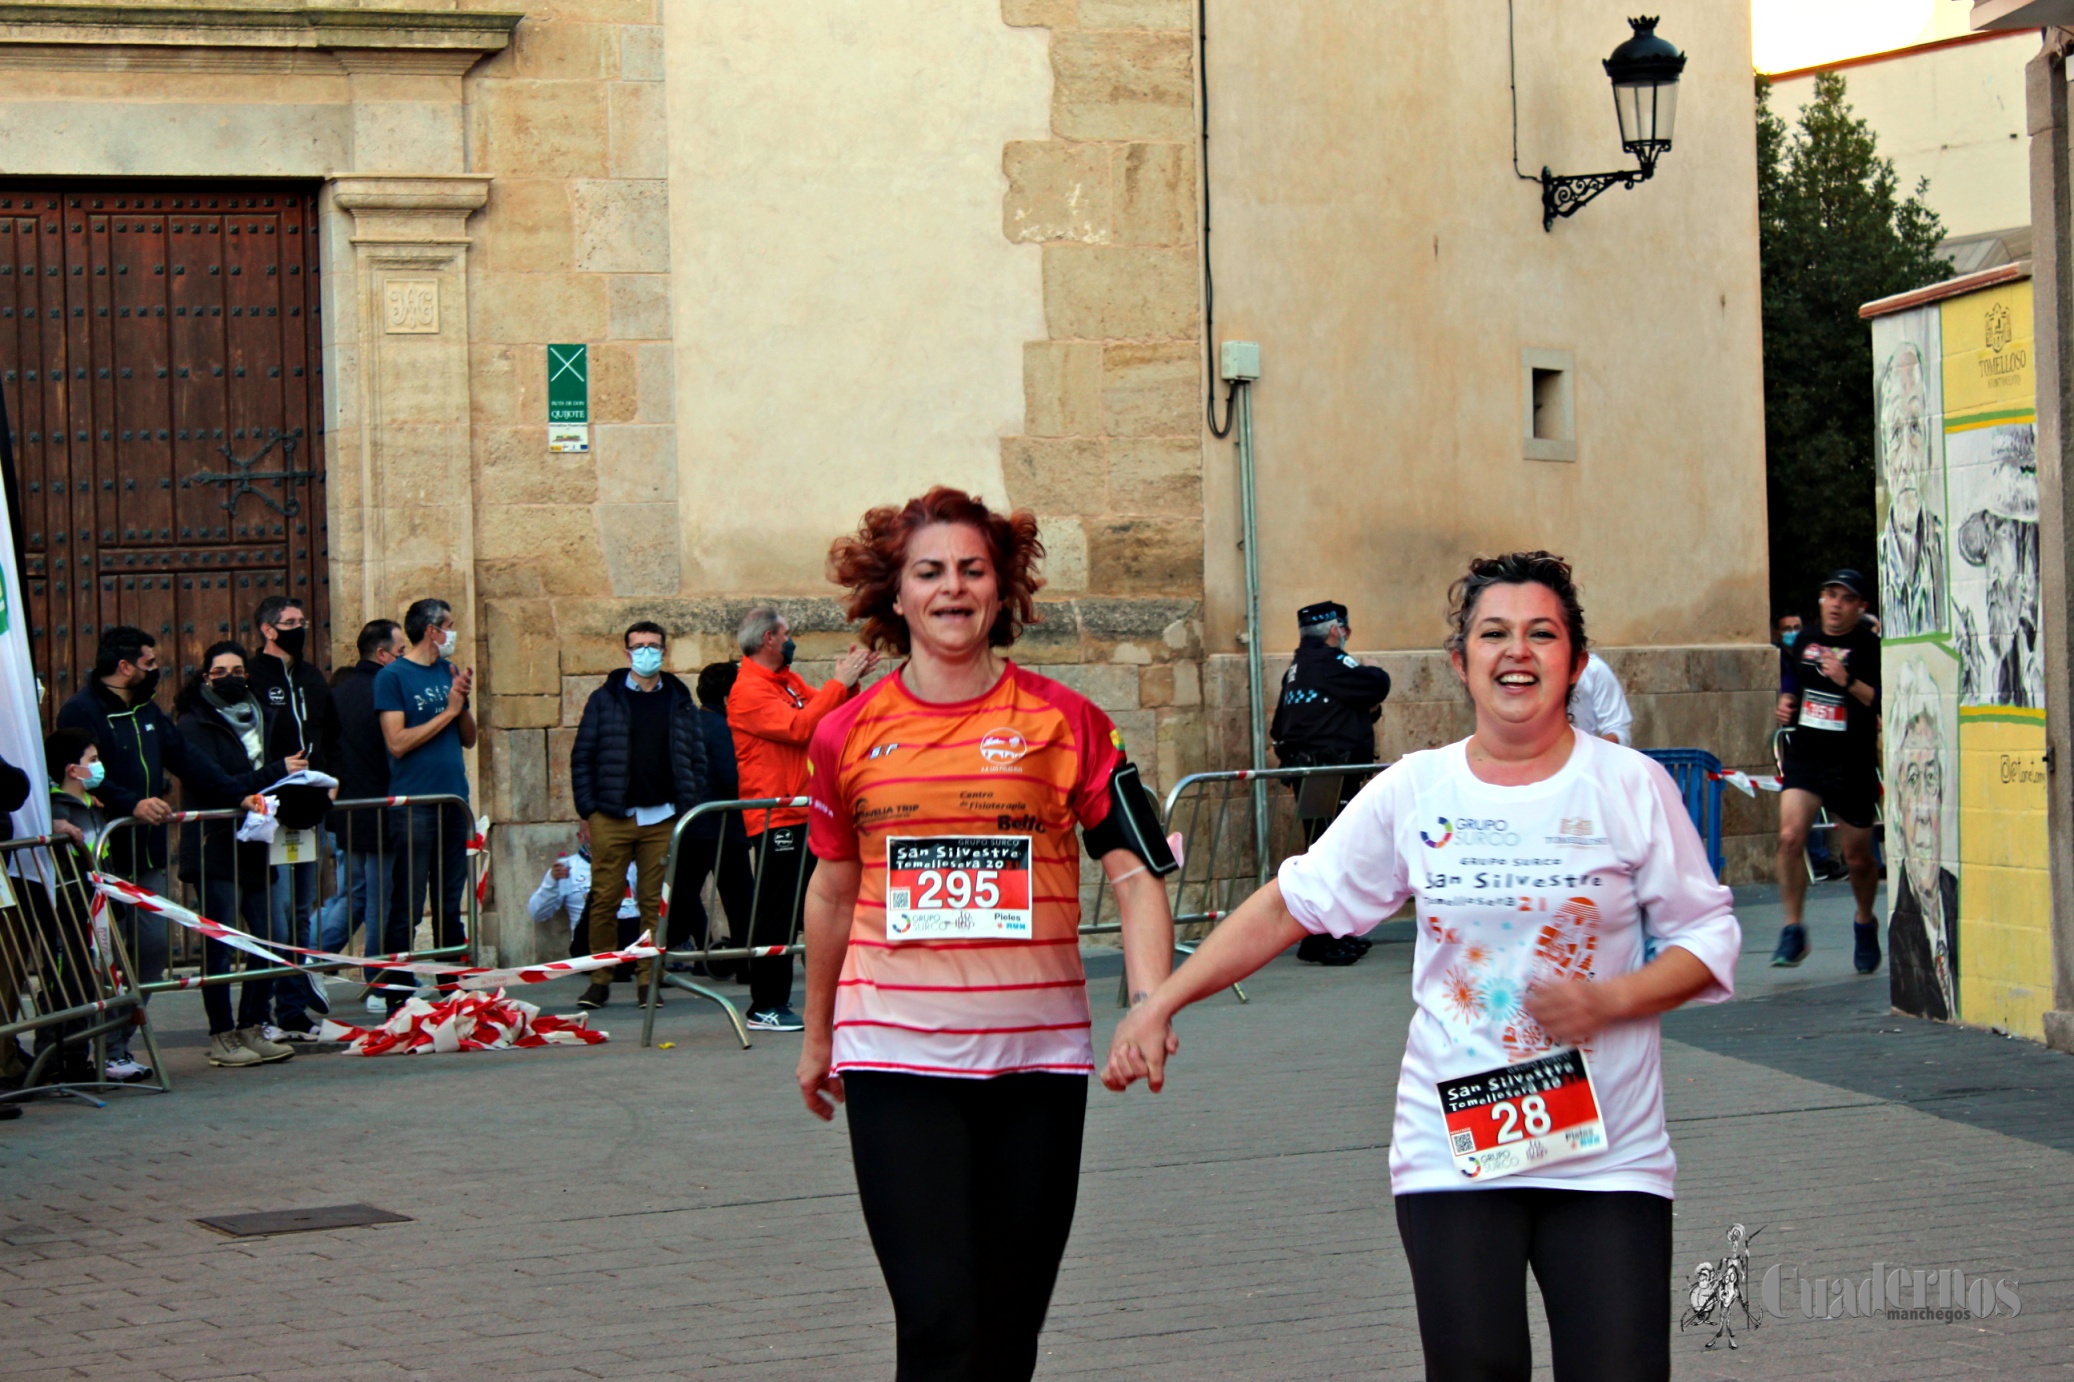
465	1022
279	952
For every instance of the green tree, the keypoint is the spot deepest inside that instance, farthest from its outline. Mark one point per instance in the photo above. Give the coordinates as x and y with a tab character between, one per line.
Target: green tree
1832	235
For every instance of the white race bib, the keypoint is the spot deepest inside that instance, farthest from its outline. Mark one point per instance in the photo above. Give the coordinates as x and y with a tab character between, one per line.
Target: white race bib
958	887
1522	1117
293	847
1822	710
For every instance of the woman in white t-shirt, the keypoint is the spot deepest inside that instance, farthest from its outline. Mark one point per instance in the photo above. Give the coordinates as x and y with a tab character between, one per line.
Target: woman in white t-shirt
1564	900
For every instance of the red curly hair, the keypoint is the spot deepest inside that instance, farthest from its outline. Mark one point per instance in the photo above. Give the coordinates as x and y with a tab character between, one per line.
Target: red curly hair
869	562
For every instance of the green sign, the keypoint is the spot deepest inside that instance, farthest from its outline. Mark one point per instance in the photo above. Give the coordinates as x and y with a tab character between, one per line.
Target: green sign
569	383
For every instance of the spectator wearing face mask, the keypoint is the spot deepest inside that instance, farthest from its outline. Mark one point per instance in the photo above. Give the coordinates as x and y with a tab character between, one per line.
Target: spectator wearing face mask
299	699
773	713
638	762
422	702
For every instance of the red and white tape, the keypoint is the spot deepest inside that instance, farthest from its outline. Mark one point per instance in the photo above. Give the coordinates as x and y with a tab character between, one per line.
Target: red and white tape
1745	783
465	1022
279	952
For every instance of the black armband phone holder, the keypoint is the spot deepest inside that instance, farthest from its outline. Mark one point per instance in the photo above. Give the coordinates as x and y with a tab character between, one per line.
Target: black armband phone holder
1133	823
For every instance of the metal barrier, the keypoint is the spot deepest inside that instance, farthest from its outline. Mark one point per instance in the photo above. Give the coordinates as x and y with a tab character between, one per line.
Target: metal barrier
1697	774
705	954
306	888
63	977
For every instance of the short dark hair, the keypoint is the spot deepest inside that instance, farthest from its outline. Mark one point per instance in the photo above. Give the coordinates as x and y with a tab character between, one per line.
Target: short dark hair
269	611
644	626
375	635
422	615
122	643
716	680
1515	568
63	748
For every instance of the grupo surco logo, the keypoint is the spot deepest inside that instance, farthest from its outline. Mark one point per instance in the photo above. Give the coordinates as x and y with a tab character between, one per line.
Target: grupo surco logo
1002	747
1491	830
1447	832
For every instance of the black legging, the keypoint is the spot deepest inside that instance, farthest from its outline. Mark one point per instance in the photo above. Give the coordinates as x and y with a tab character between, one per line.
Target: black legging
1602	1258
968	1189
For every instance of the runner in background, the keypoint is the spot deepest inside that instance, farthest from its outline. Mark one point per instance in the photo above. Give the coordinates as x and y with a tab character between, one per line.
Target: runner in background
1598	705
945	995
1529	1131
1829	695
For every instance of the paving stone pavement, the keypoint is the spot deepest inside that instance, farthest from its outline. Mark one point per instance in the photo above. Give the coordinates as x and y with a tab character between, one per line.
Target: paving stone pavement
619	1213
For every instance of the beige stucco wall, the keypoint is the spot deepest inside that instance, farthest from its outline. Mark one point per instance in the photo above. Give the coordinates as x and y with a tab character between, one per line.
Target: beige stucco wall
850	317
1371	235
1954	115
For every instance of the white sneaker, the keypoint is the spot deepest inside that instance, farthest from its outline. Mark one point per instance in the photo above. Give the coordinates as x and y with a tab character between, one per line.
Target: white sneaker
320	1002
272	1033
125	1070
377	1005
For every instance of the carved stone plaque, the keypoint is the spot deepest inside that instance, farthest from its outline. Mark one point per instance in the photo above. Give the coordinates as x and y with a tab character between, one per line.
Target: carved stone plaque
410	306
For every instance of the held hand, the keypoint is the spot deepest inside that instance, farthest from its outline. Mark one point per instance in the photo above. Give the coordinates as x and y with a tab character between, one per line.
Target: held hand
297	763
457	694
820	1090
1573	1012
1834	669
1785	710
558	870
1139	1051
255	803
152	811
65	830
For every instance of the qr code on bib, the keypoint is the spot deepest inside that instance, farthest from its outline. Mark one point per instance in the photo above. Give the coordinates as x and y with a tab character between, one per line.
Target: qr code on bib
898	897
1463	1143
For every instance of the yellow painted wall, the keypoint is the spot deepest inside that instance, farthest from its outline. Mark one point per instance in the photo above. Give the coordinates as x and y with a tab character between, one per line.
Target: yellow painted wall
1988	365
2005	905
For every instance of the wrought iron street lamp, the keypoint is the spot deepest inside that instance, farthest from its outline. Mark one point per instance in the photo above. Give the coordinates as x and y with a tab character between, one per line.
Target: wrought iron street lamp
1644	71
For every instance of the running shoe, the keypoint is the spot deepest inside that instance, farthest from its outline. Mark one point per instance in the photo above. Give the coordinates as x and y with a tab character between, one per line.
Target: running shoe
596	996
1865	950
318	1002
299	1029
778	1019
127	1071
1793	947
377	1005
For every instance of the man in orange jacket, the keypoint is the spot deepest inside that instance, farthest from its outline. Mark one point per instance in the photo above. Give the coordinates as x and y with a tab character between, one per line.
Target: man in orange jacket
773	712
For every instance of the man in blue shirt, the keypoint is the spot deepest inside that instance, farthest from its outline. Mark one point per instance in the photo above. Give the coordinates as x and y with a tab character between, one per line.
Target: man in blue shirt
426	723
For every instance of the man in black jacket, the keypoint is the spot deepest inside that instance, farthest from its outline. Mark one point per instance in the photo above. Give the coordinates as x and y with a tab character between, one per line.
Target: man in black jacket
1327	715
139	745
361	766
296	694
639	762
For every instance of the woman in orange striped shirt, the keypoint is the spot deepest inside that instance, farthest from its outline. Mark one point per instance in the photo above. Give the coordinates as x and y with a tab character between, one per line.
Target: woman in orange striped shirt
945	996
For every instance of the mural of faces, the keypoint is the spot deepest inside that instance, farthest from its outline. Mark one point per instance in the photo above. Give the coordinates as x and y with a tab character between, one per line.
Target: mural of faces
1995	594
1912	538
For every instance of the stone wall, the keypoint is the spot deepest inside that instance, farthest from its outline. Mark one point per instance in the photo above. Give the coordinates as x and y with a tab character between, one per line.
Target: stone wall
1715	698
1111	454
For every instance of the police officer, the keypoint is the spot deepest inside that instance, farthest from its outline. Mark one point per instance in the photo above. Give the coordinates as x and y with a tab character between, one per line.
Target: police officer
1327	714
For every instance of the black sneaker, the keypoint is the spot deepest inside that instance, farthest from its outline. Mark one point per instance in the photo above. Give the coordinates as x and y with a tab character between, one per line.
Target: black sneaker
1793	947
596	996
1865	951
778	1019
1318	949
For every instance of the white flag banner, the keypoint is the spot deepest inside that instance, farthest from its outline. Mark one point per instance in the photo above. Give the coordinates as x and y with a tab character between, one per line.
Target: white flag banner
21	733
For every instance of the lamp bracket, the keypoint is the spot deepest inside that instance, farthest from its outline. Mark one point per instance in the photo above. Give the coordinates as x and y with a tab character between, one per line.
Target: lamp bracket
1564	194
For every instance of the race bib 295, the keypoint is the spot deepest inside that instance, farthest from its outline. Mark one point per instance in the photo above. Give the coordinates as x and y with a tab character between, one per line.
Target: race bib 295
958	887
